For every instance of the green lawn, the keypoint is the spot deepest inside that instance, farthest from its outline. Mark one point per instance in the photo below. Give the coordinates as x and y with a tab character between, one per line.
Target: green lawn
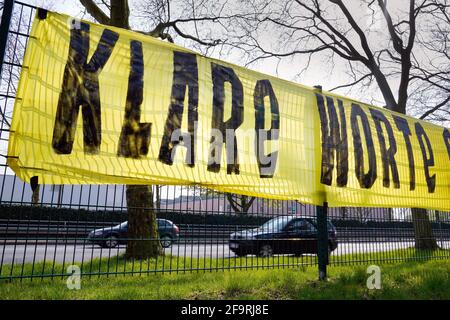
426	279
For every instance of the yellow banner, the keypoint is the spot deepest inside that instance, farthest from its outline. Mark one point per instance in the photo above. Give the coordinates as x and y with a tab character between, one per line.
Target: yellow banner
98	104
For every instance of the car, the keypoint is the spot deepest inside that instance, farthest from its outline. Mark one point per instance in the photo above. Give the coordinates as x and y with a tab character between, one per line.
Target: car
111	237
282	235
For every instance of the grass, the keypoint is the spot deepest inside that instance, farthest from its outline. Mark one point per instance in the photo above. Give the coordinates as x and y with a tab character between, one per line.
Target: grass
425	279
411	280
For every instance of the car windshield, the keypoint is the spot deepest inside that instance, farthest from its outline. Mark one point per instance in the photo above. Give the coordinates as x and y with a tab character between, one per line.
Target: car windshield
276	224
162	223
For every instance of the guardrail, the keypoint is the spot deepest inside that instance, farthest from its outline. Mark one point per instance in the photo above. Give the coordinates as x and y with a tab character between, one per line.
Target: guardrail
52	230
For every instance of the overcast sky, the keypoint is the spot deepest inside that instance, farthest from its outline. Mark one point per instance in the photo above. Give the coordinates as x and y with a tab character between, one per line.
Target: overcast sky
319	71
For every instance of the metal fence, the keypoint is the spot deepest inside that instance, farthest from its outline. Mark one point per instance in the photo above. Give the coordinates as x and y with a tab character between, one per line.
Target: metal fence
44	232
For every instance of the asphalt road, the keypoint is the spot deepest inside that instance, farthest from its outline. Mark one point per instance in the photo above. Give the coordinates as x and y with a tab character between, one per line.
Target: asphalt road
79	253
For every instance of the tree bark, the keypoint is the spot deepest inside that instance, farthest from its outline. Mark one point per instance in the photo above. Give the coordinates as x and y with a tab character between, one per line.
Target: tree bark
423	232
424	238
143	242
120	13
391	103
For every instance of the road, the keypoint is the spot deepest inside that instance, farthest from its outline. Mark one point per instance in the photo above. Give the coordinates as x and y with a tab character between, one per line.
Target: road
79	253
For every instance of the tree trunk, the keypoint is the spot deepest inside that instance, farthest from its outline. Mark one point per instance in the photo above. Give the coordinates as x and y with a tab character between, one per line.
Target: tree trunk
120	14
424	238
35	196
422	227
158	197
142	225
143	235
385	89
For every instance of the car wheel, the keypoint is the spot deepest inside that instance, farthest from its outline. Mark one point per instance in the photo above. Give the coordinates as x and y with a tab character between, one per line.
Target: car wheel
266	251
166	241
111	242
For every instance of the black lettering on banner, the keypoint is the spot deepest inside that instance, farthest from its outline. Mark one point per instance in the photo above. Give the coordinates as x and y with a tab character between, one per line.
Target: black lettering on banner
428	157
334	141
447	141
264	88
185	74
135	136
220	75
387	155
80	88
366	180
402	125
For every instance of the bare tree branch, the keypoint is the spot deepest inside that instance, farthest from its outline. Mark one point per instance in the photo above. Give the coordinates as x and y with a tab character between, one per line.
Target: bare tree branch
95	11
437	107
369	75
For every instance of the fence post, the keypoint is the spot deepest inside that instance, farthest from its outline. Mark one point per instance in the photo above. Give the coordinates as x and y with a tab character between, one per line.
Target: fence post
322	240
4	29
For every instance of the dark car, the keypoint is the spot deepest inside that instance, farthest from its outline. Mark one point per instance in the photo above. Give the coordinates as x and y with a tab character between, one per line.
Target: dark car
282	235
110	237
